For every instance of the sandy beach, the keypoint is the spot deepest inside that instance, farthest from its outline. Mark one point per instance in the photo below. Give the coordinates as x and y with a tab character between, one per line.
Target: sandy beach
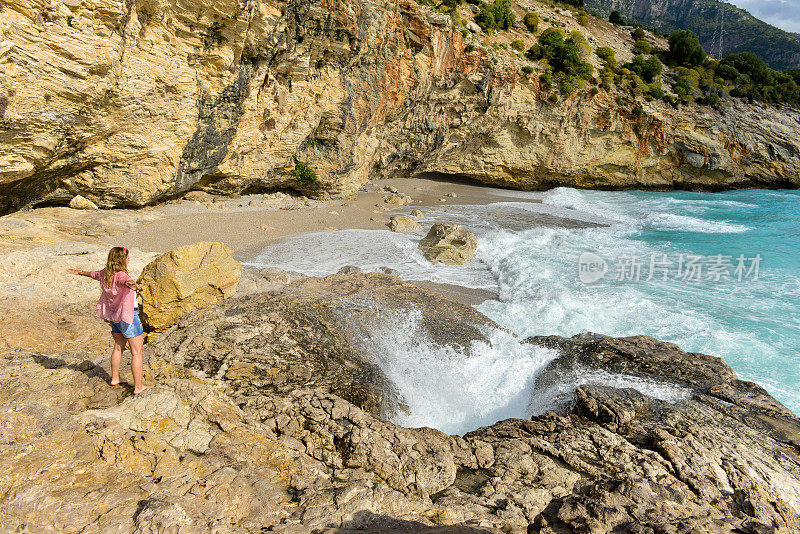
248	223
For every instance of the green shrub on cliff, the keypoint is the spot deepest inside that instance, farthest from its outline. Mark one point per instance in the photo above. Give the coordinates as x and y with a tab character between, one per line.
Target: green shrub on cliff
606	78
685	49
754	80
615	18
648	69
582	17
305	173
578	38
655	91
742	75
455	16
494	16
642	47
607	54
531	21
517	44
563	56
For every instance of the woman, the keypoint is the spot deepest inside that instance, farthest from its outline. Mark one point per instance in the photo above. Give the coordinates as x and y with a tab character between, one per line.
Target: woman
118	306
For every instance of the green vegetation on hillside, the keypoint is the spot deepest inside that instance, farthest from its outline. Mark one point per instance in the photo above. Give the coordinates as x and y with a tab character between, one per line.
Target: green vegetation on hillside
698	78
638	77
646	68
531	21
495	16
753	79
743	32
642	47
690	73
565	67
685	49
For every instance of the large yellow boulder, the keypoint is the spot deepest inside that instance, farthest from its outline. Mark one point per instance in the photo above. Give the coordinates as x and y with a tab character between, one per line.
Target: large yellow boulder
185	279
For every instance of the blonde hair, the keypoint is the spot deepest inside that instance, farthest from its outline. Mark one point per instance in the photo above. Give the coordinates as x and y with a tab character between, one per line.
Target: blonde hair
115	263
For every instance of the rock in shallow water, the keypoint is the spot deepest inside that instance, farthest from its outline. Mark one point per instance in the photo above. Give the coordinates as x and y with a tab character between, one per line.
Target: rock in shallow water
449	244
311	334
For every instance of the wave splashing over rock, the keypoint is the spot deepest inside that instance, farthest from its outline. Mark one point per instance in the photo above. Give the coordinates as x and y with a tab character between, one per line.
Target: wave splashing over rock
455	388
560	396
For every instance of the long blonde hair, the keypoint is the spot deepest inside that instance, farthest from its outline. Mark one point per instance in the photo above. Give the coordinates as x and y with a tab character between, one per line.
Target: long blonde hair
115	263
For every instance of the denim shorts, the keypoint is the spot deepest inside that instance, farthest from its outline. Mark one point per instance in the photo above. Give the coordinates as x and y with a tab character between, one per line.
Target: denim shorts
128	330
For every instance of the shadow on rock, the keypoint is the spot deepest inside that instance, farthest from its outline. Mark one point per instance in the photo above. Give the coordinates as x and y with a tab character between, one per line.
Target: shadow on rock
86	367
368	522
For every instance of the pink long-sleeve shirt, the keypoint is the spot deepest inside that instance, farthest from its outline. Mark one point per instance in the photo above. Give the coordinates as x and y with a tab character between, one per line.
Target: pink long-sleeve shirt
118	301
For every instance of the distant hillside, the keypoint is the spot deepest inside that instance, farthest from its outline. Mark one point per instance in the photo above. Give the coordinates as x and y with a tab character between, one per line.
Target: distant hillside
743	32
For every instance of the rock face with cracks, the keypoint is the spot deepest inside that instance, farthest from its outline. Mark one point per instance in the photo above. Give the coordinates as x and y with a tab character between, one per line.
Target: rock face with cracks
126	103
249	429
314	333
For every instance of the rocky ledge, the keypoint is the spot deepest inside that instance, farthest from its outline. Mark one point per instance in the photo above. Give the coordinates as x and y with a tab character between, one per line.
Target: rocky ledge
271	414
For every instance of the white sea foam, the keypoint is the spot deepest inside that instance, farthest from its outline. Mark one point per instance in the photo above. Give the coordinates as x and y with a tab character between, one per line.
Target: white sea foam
456	389
324	253
685	223
534	269
558	395
632	211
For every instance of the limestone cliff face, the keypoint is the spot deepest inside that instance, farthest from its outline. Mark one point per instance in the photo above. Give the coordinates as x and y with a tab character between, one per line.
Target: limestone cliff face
130	101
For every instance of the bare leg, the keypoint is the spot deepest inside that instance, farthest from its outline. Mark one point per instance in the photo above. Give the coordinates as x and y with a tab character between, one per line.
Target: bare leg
137	364
116	356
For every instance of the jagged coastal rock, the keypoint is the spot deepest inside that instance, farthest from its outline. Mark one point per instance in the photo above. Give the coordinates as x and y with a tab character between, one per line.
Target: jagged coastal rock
126	103
313	331
185	279
246	431
449	244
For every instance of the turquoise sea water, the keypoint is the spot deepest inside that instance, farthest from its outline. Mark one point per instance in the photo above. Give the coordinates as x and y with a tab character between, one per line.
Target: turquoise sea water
754	323
750	319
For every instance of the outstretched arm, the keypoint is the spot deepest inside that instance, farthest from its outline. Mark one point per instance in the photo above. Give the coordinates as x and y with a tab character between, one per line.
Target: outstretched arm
80	273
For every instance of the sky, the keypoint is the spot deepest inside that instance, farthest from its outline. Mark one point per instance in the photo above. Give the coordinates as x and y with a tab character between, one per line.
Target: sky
784	14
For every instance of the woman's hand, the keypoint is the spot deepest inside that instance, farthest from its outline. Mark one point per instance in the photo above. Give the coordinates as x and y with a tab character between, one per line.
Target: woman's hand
73	271
132	285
